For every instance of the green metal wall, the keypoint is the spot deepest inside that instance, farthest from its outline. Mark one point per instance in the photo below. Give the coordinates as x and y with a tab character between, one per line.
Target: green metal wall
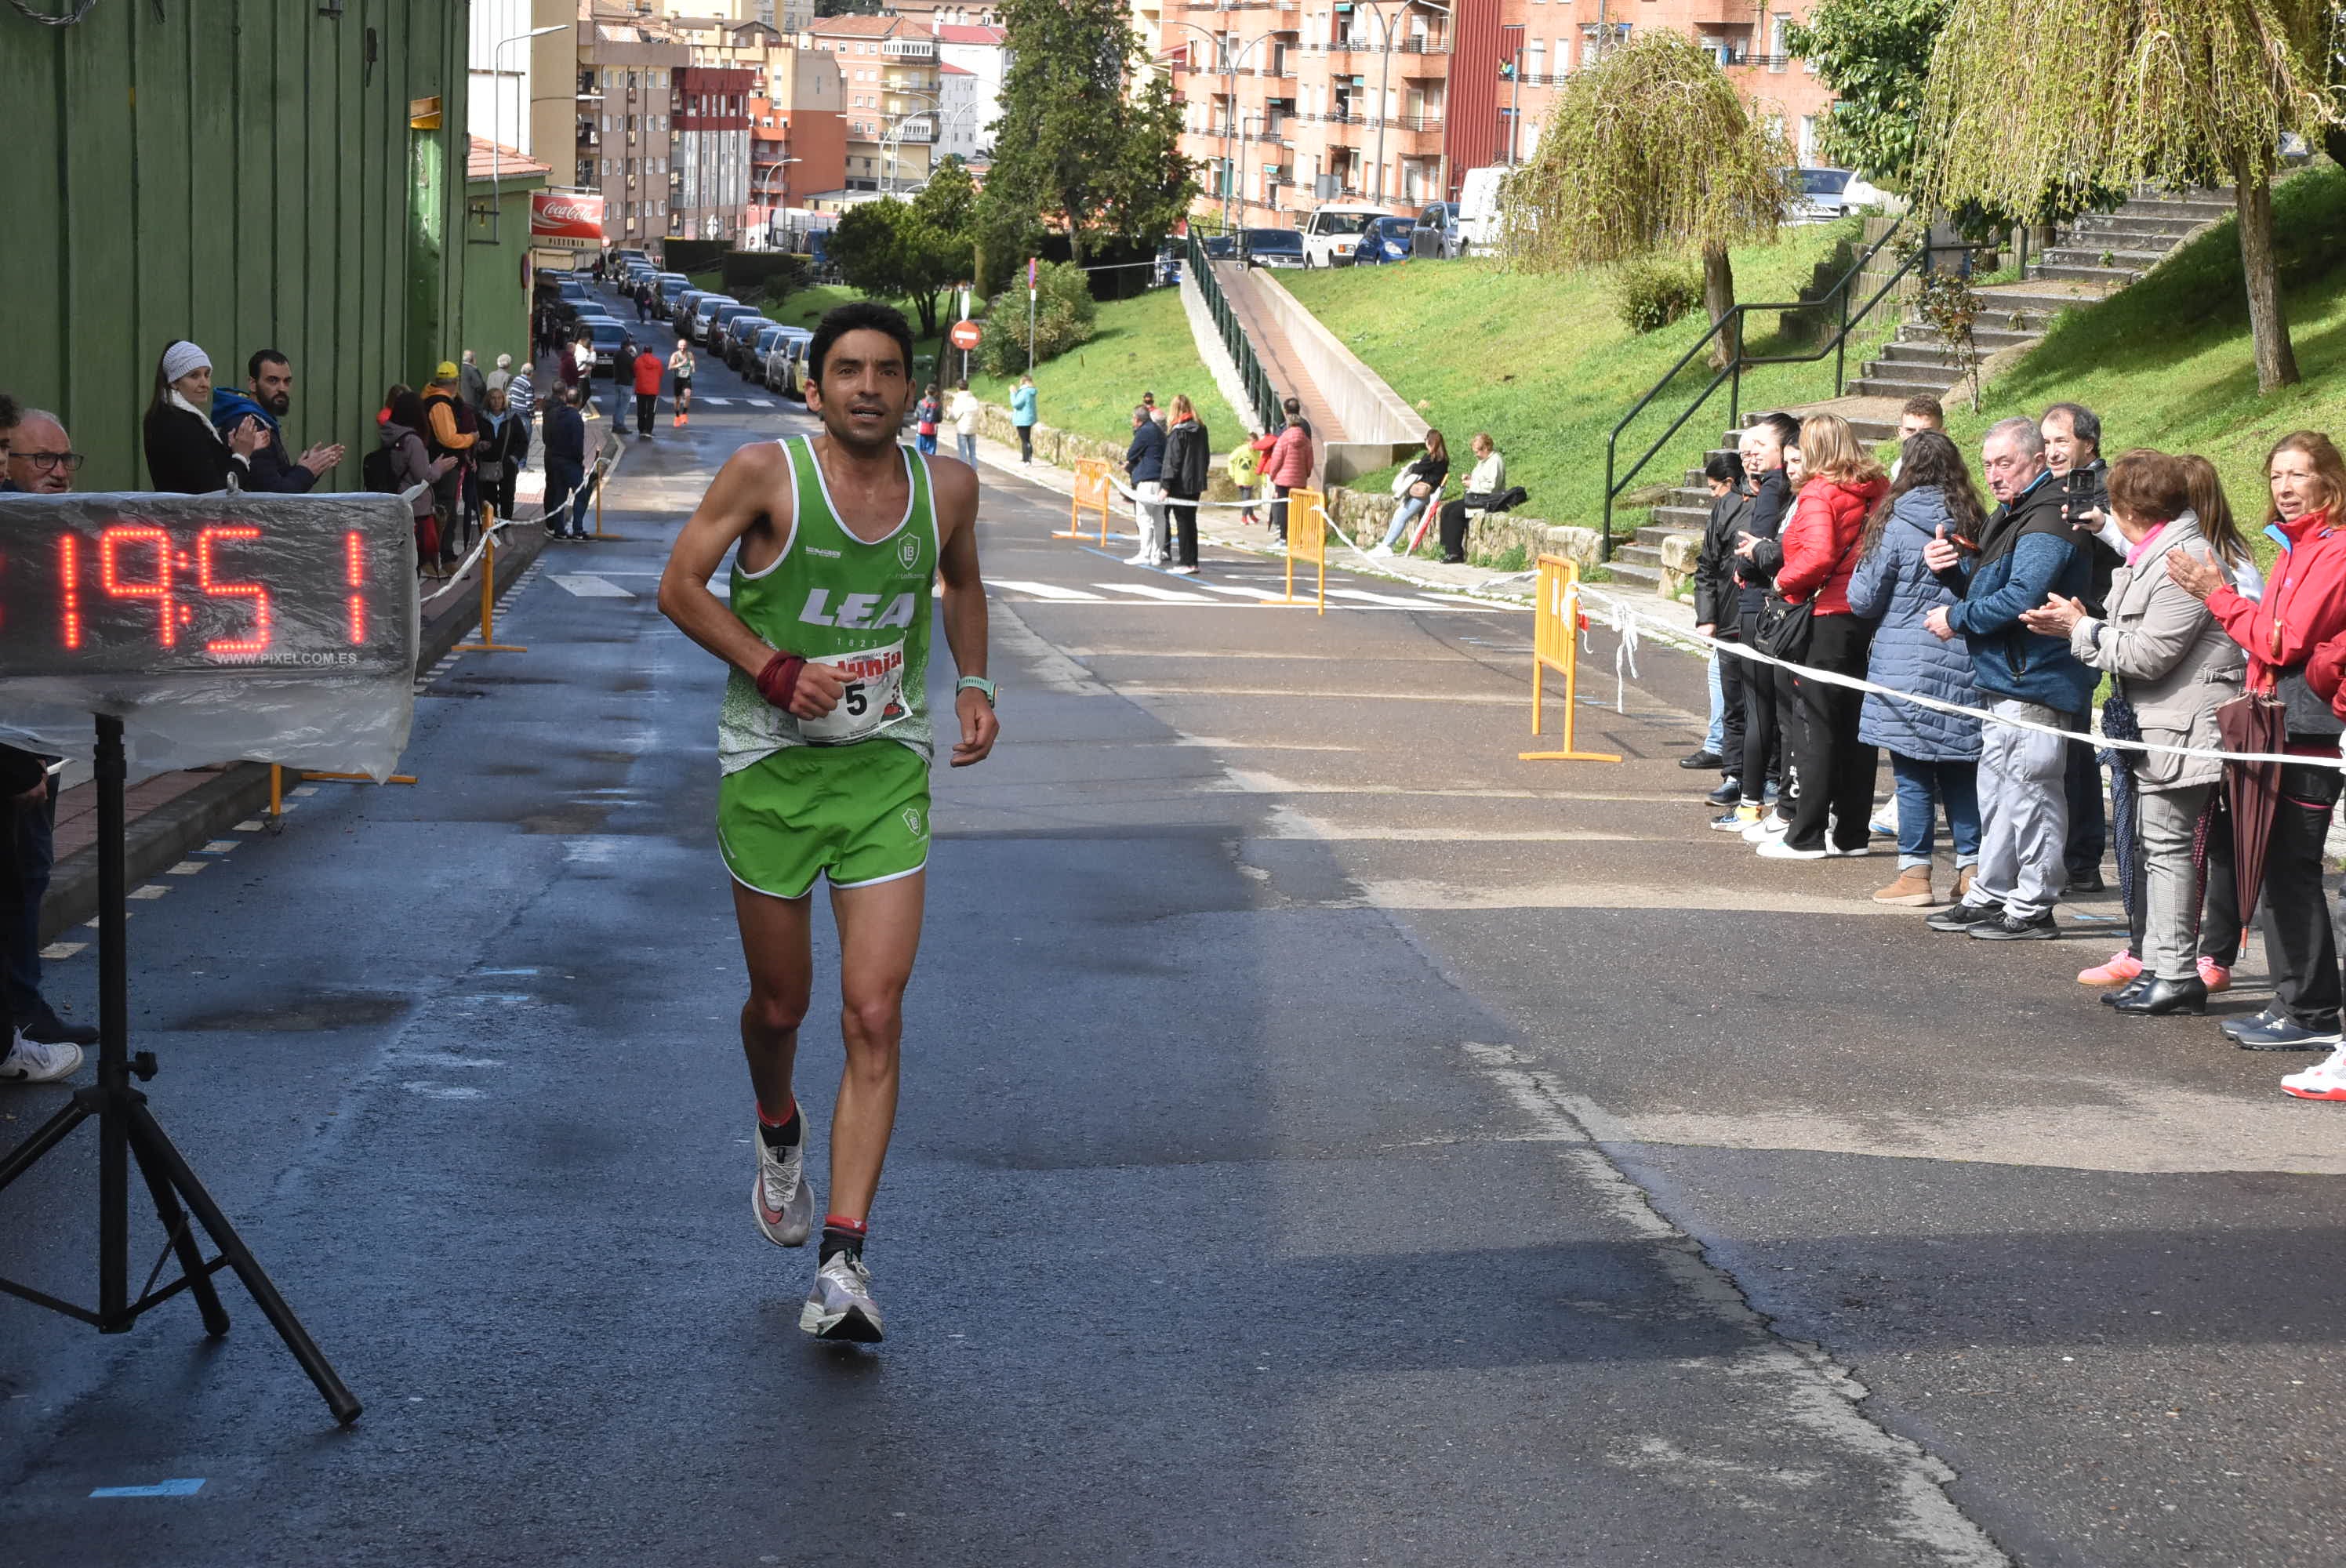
236	172
497	297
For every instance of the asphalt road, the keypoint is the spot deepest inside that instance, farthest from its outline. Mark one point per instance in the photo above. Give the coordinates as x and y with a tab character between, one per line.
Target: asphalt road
1325	1138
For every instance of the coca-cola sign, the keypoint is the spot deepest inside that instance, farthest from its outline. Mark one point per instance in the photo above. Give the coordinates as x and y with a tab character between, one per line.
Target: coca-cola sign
566	220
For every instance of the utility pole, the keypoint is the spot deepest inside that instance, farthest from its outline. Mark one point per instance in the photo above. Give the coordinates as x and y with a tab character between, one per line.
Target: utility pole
1514	106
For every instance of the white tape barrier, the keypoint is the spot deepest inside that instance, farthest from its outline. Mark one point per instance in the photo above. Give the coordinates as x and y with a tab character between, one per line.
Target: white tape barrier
578	497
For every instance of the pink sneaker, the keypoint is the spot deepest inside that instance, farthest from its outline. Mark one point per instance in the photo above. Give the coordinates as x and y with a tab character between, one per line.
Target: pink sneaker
2122	968
2214	976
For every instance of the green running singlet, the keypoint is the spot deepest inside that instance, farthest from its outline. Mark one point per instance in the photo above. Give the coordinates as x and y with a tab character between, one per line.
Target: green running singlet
834	600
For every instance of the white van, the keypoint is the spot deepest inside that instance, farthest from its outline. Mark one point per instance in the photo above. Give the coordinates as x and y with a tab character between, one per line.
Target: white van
1331	234
1478	209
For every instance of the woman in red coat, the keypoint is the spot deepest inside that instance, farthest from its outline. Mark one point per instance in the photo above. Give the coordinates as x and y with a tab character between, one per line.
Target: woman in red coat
1289	467
1829	772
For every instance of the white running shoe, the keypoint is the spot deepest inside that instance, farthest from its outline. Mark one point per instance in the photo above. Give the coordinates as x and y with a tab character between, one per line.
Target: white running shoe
839	1307
780	1197
30	1061
1143	559
1183	571
1770	826
1775	849
1380	548
2325	1082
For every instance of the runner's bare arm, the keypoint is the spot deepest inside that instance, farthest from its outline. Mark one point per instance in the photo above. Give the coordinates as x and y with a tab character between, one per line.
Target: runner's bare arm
964	606
744	491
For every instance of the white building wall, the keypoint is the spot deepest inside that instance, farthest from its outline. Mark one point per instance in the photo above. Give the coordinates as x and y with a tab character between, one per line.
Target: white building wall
984	63
957	133
496	81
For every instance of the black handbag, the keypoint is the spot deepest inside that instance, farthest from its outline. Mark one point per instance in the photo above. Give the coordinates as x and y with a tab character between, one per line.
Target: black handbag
1784	631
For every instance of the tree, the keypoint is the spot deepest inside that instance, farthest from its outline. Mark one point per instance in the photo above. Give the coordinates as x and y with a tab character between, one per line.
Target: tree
912	250
1875	55
1650	149
2031	97
1073	148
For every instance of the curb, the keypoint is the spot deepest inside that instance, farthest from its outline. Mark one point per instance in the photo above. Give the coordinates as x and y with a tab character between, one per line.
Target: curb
162	837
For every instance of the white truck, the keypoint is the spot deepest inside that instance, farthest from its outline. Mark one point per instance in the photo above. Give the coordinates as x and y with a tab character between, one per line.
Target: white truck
1478	210
1332	233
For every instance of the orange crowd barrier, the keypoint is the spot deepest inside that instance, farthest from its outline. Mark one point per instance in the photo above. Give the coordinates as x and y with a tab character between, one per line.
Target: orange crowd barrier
1556	646
1093	493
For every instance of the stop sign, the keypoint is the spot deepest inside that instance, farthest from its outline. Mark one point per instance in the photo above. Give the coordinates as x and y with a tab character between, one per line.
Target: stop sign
965	335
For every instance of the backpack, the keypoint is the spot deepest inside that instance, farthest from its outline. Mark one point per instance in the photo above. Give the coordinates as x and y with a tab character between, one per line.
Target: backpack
376	473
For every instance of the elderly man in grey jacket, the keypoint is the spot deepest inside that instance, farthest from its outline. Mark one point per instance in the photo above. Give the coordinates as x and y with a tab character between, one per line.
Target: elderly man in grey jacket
2174	666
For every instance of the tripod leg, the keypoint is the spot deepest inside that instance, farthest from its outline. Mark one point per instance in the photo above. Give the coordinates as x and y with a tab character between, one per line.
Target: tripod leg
49	1134
158	1145
183	1237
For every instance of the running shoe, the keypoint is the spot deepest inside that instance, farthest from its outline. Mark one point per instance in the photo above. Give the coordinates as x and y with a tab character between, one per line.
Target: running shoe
2326	1081
780	1197
2121	967
1728	793
2287	1034
1776	848
2217	976
2233	1028
1735	821
1183	571
2012	928
32	1062
1963	915
1770	826
839	1307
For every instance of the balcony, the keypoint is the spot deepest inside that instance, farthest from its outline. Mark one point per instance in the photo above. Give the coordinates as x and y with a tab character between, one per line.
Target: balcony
908	49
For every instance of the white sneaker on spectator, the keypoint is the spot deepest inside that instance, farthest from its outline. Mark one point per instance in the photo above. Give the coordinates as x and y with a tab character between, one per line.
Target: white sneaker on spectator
1777	849
30	1061
2326	1081
1183	571
1142	559
1380	548
1770	826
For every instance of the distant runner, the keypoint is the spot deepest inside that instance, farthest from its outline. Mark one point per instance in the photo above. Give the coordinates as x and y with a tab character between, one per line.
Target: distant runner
824	742
679	365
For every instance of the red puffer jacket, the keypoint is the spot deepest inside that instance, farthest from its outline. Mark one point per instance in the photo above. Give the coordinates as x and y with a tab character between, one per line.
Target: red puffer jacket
1289	462
1820	541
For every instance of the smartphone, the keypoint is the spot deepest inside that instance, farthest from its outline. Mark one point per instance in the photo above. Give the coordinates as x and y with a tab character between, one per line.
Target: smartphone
2084	486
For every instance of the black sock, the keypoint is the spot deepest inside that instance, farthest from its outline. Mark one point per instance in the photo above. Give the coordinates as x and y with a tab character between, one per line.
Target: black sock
786	1135
841	1234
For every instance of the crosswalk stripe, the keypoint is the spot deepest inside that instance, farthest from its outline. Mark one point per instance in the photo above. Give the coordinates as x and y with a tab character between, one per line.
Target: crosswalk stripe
1412	602
1167	596
718	401
1241	593
762	402
588	586
1046	590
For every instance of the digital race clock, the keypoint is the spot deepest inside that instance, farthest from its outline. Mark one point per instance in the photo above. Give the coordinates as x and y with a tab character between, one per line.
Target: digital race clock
278	627
153	585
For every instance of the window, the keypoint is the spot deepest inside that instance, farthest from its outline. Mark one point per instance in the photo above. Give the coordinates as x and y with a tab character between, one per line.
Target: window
1536	60
1807	139
1779	28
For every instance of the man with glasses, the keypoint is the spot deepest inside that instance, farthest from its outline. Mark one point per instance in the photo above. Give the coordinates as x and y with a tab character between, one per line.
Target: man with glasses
42	1047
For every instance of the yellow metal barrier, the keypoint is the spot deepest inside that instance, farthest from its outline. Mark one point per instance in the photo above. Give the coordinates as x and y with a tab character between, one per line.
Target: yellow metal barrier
1307	540
488	643
1093	493
1556	646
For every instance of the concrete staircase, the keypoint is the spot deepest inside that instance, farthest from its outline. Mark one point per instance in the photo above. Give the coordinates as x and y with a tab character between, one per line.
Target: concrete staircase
2095	256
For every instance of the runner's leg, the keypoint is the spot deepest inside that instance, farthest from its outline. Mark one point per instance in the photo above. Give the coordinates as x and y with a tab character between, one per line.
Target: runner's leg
776	945
879	936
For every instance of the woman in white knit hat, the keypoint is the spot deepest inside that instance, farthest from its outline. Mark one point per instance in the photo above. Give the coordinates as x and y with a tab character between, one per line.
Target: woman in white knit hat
184	452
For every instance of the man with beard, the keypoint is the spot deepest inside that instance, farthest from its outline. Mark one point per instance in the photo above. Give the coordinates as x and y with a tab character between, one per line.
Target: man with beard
267	397
824	743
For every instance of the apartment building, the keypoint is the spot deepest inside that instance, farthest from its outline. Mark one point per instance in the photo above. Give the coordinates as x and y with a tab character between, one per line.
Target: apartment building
978	50
798	135
708	169
625	104
1291	103
887	67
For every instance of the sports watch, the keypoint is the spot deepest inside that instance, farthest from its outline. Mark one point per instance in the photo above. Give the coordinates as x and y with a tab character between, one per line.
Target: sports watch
978	683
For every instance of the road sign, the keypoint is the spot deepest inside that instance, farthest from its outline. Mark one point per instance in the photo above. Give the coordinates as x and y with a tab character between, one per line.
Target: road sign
964	336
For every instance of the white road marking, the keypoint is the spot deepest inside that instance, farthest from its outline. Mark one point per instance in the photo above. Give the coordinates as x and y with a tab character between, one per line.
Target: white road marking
187	868
223	846
1044	590
150	891
249	825
57	949
1163	595
1809	1389
306	789
588	586
761	402
1412	602
1243	593
714	401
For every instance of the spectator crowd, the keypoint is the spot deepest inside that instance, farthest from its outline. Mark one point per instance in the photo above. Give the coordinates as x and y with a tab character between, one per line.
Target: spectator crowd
1988	624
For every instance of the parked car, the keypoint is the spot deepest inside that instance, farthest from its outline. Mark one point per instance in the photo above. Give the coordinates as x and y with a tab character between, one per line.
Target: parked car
1440	220
740	333
1273	247
694	315
1821	194
1384	239
680	312
761	343
1331	233
607	335
578	291
712	326
1220	247
670	285
786	360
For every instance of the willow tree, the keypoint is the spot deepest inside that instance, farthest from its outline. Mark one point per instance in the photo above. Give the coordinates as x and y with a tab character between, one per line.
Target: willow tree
1651	150
2028	99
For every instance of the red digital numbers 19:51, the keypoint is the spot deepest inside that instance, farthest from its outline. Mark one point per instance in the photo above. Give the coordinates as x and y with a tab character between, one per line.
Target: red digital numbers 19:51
138	560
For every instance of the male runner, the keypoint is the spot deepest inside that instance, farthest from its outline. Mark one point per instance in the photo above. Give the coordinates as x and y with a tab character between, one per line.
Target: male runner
824	742
679	365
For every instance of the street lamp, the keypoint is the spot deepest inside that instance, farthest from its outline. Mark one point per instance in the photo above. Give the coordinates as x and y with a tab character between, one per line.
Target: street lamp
496	99
895	135
1385	77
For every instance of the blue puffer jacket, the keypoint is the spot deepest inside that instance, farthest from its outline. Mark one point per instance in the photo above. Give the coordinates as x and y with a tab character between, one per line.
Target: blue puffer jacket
1892	585
2027	551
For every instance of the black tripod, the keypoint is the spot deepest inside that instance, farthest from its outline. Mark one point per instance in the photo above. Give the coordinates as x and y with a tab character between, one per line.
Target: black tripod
126	1128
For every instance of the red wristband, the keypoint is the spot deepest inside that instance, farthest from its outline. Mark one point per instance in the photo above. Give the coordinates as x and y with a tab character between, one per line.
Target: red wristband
779	681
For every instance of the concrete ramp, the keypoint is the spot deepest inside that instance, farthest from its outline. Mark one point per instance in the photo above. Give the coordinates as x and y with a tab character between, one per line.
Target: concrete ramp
1362	424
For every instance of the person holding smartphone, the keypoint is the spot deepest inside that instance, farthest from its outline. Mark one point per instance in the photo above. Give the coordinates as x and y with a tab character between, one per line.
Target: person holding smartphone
2073	454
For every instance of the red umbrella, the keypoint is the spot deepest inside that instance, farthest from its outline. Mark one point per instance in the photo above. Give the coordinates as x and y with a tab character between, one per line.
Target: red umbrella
2253	721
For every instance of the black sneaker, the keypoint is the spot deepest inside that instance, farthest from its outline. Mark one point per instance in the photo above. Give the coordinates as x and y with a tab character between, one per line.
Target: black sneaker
55	1031
2288	1035
1697	760
2233	1027
1726	794
2087	881
2005	928
1961	917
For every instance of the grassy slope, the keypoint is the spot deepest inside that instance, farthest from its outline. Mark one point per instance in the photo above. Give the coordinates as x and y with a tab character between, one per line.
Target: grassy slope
1144	345
2168	363
1546	367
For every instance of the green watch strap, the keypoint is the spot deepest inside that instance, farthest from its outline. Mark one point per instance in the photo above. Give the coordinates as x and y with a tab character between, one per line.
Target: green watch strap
980	684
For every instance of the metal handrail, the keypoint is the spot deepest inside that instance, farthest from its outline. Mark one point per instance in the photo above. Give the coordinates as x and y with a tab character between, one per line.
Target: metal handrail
1260	391
1731	374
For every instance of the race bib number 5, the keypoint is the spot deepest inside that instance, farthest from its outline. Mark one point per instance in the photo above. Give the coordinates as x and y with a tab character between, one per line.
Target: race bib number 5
872	700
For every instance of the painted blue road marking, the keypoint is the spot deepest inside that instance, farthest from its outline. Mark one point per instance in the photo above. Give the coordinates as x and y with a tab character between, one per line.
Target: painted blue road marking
186	1488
